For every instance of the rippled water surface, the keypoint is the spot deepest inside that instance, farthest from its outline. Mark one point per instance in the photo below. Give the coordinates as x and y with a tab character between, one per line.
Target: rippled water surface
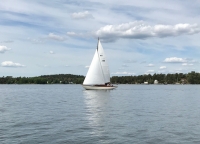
32	114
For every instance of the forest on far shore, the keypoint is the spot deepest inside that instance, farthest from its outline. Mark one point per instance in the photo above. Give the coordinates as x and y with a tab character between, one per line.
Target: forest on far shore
190	78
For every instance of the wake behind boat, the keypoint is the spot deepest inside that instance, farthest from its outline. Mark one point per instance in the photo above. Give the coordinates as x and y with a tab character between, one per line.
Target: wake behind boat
98	75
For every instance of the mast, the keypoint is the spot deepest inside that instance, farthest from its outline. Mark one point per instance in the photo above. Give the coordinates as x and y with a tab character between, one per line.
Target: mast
97	43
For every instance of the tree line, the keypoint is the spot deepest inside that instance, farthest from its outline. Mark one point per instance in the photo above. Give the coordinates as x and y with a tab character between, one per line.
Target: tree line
177	78
44	79
190	78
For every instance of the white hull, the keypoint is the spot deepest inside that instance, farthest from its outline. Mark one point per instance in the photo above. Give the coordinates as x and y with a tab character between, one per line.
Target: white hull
87	87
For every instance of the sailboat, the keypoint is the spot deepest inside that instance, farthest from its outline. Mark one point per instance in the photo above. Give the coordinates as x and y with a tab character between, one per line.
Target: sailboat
98	75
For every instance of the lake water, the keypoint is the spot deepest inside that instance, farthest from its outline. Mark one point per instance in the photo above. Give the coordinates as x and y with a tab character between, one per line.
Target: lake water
49	114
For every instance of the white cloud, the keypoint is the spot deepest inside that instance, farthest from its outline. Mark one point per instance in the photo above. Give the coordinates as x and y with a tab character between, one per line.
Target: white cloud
82	15
163	67
67	65
81	35
11	64
55	37
3	49
123	73
140	30
175	60
150	65
187	64
87	66
51	52
185	61
71	33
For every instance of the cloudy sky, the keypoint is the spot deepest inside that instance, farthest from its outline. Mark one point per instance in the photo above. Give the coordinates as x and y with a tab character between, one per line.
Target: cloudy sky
43	37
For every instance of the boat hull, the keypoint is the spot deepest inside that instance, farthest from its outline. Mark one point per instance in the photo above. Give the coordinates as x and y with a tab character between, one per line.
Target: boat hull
88	87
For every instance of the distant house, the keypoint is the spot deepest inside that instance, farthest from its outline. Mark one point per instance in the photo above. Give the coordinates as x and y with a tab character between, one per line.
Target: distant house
155	82
183	81
146	83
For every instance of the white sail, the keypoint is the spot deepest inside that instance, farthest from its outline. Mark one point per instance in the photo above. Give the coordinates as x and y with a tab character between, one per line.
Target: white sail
104	63
94	74
98	72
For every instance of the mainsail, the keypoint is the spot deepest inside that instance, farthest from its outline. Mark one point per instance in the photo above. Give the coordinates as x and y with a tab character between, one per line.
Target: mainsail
98	72
104	64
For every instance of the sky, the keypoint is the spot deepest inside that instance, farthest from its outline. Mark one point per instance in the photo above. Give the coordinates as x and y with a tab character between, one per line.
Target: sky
43	37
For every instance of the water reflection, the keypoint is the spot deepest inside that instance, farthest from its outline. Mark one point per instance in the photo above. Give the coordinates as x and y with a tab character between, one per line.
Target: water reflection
97	107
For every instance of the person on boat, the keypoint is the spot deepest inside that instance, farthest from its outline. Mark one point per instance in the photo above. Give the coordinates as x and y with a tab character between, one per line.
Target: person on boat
109	84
